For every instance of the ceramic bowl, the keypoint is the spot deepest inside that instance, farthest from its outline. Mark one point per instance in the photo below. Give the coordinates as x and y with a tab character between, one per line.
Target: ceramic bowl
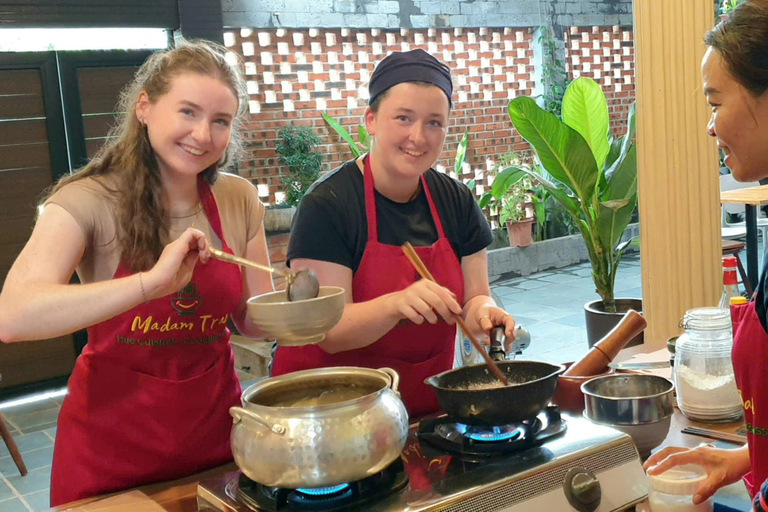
296	323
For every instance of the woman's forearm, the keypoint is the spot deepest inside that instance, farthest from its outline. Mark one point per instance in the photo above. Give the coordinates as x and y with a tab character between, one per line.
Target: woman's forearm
34	311
742	463
361	325
244	325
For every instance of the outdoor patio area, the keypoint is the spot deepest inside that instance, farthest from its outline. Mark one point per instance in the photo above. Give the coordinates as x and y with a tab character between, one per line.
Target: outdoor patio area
549	304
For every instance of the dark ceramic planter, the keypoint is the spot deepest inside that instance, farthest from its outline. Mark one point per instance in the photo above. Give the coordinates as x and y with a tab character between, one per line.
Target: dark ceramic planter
599	323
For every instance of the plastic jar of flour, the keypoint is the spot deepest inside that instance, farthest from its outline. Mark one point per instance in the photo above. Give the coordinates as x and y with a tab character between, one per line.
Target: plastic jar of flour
704	380
673	490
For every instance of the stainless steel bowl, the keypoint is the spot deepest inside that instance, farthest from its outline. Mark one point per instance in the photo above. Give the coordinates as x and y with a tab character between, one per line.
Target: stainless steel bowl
319	445
628	399
297	323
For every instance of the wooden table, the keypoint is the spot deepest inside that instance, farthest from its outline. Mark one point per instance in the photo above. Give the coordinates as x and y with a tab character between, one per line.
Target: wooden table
751	198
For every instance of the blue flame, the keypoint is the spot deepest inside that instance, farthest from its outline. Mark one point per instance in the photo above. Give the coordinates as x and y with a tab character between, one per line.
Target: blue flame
489	434
323	491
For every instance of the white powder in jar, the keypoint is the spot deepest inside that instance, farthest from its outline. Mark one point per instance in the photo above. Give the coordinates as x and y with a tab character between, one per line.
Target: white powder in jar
706	391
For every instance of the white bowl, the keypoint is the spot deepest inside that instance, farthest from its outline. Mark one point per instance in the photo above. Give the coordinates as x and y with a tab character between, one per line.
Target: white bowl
302	322
646	436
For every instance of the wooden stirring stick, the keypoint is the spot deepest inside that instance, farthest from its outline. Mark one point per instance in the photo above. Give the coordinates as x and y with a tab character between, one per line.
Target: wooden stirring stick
424	272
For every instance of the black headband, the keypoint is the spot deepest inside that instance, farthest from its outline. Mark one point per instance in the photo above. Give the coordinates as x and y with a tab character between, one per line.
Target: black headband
412	66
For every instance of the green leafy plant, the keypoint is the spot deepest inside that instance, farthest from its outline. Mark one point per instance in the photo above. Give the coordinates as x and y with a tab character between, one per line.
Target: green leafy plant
540	198
295	151
727	5
458	163
514	200
597	174
362	136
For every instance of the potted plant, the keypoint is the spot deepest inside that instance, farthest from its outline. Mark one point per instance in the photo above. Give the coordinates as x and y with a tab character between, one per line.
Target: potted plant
295	150
515	206
594	178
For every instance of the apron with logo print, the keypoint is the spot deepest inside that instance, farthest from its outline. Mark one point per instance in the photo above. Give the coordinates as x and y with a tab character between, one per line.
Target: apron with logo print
750	359
149	397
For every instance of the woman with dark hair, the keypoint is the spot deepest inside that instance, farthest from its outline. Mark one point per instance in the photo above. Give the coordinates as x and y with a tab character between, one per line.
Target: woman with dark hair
149	397
735	76
351	224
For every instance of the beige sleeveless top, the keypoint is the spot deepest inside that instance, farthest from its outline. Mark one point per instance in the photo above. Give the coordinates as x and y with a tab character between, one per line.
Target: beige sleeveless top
92	205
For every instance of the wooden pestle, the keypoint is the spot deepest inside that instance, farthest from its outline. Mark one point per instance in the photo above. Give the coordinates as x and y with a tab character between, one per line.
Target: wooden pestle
605	350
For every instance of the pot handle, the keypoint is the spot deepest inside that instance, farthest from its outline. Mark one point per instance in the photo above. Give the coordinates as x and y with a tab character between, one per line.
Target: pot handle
393	376
238	413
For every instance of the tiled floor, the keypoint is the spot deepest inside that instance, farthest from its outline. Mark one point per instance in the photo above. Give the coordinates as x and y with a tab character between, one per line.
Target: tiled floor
550	305
34	427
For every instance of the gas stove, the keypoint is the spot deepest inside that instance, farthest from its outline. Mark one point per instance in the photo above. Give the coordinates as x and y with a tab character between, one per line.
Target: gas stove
550	463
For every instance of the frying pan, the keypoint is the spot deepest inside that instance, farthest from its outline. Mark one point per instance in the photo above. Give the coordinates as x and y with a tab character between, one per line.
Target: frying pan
474	396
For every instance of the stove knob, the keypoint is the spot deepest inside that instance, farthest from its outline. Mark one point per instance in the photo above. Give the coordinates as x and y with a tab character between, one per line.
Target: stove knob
582	489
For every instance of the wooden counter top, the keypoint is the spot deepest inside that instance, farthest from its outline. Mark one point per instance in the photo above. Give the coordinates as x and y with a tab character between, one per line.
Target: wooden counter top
174	496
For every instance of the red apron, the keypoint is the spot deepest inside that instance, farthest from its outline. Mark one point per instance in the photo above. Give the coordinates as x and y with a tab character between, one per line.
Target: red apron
149	397
750	359
414	351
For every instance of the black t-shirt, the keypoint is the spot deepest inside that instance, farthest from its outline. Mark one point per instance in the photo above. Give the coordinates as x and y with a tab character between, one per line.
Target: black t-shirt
330	223
761	299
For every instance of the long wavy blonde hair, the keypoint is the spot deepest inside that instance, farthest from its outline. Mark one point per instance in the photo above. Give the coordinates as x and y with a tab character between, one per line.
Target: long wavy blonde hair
142	223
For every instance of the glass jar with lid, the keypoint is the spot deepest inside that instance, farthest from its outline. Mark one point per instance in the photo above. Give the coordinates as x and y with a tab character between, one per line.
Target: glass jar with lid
704	380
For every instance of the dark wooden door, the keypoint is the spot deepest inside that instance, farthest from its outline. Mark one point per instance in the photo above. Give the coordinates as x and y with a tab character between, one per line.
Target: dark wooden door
91	83
32	155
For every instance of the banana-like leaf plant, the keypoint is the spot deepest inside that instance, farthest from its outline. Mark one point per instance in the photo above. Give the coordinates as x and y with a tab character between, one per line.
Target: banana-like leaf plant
362	135
598	174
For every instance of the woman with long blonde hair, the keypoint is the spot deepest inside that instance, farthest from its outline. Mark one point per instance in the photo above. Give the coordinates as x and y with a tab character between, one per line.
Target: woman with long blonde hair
148	399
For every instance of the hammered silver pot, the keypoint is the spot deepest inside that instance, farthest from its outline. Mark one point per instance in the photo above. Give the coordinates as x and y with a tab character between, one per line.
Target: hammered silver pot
319	445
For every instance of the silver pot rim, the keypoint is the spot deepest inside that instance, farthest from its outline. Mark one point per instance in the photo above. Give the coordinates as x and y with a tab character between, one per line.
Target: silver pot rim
585	388
387	379
633	409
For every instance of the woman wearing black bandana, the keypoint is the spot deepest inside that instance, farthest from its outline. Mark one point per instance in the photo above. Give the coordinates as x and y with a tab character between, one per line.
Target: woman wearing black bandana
351	224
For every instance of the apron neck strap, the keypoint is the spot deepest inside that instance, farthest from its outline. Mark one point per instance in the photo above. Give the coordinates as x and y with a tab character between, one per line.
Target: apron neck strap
370	203
210	207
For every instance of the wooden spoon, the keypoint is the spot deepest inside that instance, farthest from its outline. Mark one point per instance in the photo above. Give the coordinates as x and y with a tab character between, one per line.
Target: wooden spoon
424	272
299	286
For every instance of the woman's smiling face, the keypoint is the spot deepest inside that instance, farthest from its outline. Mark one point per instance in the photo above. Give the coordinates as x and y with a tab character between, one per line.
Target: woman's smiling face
409	127
739	120
190	125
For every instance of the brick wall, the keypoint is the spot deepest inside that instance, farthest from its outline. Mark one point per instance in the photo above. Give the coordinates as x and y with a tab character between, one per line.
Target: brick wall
293	75
607	55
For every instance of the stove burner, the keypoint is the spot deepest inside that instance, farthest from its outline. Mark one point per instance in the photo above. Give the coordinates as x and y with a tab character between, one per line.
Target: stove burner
489	434
468	442
345	497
